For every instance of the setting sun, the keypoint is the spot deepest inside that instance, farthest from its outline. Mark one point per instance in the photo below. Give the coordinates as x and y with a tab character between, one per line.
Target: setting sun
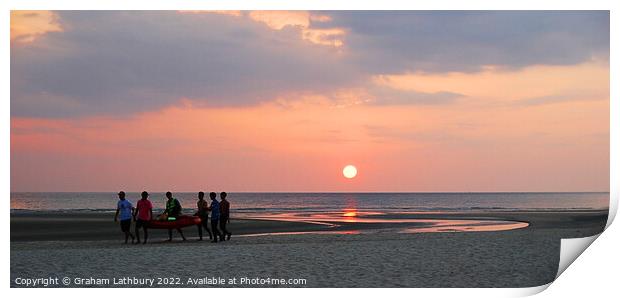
349	171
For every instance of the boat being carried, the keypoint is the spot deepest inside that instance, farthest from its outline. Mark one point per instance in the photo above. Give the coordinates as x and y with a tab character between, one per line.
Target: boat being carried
176	223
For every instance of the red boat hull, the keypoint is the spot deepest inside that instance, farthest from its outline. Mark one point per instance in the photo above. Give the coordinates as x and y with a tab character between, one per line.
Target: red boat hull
181	222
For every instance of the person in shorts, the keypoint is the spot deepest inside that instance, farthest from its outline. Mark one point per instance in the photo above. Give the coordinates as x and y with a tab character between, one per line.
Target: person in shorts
142	215
124	210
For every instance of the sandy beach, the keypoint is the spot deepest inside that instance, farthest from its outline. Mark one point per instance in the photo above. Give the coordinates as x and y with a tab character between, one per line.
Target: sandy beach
348	254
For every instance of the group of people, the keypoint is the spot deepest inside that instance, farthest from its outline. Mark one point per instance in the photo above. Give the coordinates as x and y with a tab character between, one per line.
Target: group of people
143	213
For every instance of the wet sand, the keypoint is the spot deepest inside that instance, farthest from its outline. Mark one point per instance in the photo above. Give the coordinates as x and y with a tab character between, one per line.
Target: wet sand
83	226
375	252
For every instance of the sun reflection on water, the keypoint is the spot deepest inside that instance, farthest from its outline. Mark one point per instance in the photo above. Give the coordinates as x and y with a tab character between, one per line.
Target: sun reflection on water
349	213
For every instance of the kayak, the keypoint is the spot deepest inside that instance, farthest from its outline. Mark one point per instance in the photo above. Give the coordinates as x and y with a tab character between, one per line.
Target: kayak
180	222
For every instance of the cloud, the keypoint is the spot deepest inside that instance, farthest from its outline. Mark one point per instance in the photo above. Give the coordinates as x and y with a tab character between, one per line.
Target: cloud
466	41
278	20
502	87
578	96
123	62
27	25
329	37
297	20
388	96
235	13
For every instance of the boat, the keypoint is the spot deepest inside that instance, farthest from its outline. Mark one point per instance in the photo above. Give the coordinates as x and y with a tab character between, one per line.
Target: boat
179	222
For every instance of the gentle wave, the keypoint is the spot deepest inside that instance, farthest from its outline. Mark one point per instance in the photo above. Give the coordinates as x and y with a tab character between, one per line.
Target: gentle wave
274	202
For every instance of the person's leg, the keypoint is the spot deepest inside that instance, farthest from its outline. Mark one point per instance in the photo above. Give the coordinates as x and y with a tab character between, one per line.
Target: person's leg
214	230
129	231
146	234
223	228
125	227
199	232
205	225
227	233
182	236
169	234
124	230
138	224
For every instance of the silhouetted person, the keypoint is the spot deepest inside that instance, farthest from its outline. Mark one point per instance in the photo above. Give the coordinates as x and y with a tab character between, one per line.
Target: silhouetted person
215	216
224	216
142	215
125	209
173	211
203	213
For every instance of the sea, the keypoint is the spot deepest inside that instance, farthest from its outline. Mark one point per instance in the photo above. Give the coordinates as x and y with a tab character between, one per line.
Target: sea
246	202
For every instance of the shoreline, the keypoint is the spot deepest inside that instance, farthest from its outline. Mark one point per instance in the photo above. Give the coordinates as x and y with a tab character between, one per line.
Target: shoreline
93	226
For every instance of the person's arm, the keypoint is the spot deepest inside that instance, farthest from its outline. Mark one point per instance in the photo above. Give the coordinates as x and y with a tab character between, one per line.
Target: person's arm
166	209
151	211
116	215
133	213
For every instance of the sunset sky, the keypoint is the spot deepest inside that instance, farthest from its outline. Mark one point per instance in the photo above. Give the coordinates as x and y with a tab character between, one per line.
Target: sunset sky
282	101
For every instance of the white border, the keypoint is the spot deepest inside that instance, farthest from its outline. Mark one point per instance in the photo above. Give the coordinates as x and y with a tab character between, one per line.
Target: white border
575	280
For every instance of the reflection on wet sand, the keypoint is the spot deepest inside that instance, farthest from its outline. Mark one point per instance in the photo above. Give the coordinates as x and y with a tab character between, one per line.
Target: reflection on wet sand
472	226
351	221
344	232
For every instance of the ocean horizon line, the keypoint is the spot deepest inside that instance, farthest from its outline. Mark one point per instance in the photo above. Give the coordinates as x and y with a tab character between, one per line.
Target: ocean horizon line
331	192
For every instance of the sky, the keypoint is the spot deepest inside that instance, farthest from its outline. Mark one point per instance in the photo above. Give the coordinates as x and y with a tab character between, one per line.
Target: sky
418	101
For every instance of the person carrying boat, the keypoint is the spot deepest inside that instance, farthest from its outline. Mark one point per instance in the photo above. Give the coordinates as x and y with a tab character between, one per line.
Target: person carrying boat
224	216
173	211
215	216
124	208
203	213
142	215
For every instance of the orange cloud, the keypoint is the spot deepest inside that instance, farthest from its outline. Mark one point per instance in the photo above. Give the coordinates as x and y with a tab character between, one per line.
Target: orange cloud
588	80
234	13
27	25
320	18
329	37
278	20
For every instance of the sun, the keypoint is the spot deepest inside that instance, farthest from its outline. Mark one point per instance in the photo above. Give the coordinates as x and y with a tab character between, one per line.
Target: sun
349	171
